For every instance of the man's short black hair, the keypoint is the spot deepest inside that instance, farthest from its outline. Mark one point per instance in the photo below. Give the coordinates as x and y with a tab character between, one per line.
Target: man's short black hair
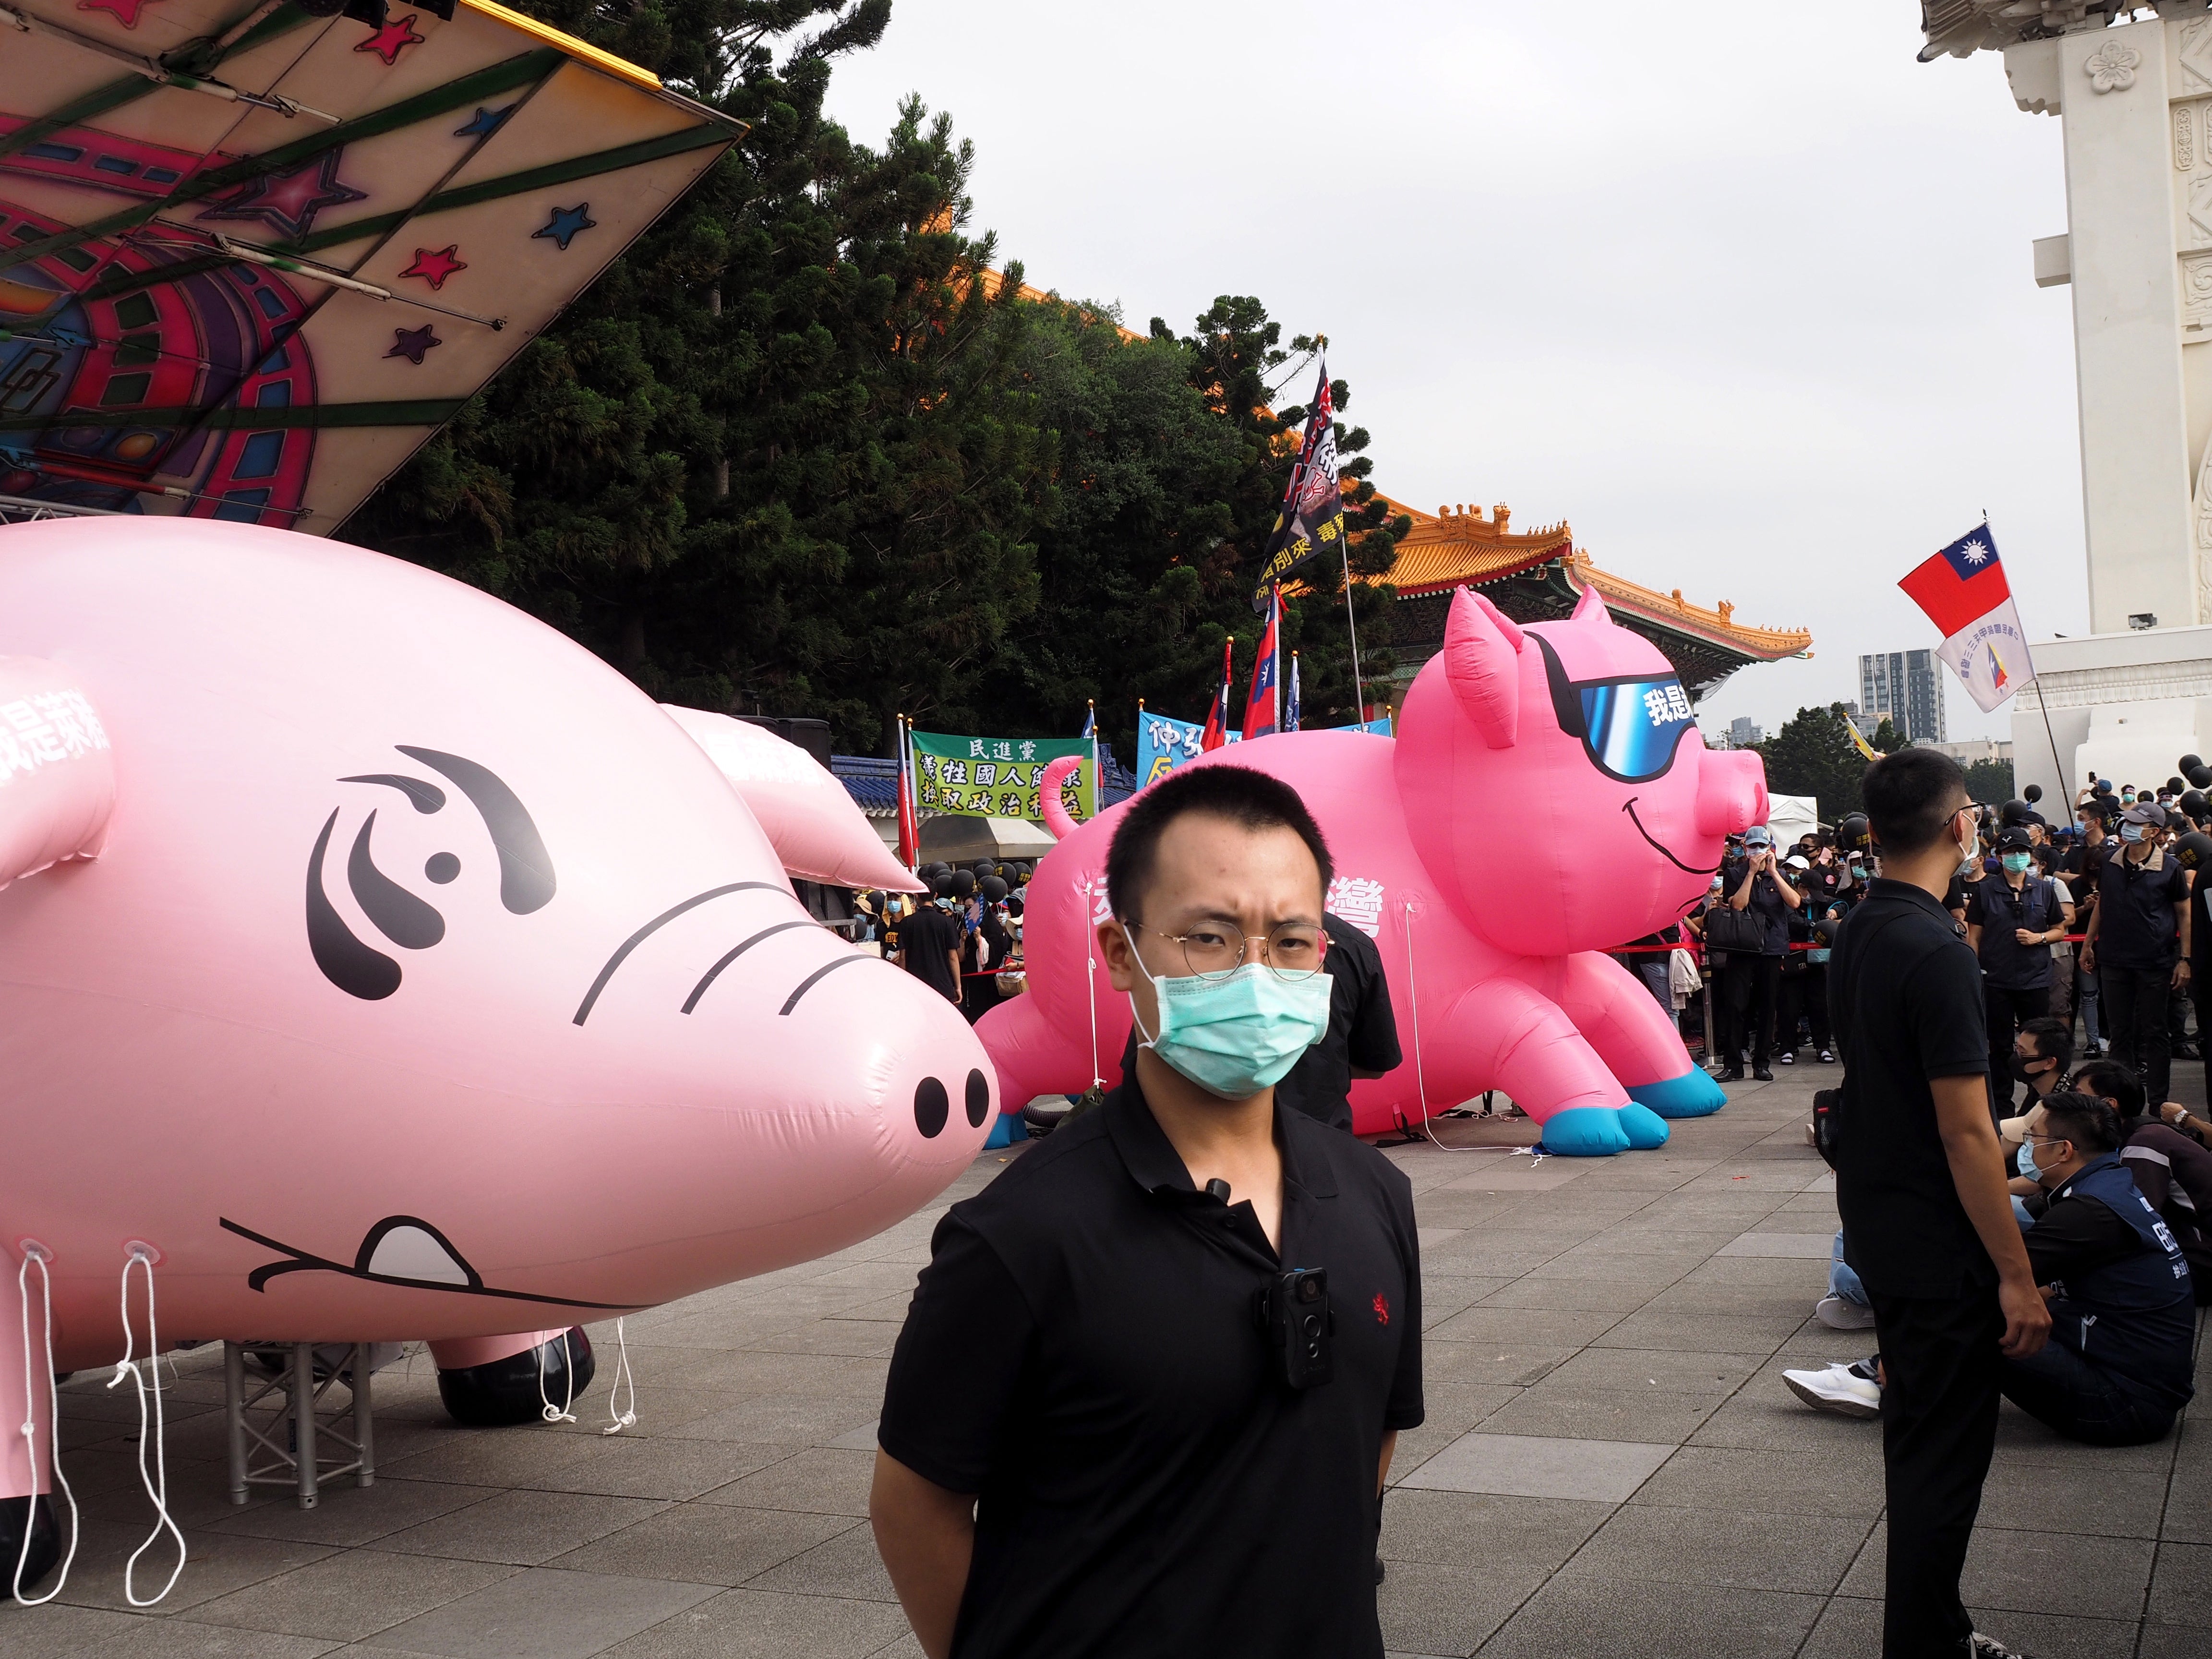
2086	1122
1909	797
1250	799
2054	1040
2115	1082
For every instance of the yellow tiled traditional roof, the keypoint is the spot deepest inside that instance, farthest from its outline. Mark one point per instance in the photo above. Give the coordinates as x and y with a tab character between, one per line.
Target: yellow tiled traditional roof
1455	546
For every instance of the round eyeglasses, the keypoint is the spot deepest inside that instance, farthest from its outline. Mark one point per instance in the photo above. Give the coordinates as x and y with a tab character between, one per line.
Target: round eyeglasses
1214	949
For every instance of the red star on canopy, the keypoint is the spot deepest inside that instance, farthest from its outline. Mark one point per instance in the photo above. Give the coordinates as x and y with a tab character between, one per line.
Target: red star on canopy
126	11
434	265
388	42
288	201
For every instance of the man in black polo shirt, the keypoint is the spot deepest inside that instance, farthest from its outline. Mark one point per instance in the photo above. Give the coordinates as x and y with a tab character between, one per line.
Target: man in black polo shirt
1928	1222
2137	945
2011	920
929	944
1101	1434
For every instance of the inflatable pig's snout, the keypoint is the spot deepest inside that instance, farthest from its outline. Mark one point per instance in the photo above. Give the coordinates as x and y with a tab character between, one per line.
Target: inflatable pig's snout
1731	792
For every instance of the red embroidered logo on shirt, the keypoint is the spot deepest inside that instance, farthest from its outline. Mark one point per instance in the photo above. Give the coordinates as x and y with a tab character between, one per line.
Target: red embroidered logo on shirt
1382	1308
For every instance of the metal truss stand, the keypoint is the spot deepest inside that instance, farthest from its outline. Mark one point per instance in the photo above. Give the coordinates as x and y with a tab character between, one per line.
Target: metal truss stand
302	1421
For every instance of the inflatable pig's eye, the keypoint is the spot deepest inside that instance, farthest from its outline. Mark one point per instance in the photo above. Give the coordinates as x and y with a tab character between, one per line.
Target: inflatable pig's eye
931	1106
441	867
526	869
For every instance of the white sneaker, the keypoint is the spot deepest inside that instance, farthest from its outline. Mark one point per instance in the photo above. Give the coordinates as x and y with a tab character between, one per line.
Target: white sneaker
1839	1315
1979	1646
1839	1388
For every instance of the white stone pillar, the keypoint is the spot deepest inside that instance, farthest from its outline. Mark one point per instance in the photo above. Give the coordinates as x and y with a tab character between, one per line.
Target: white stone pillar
2120	205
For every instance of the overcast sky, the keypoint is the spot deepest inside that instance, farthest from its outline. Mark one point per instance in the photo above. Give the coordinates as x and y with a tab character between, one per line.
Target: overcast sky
1745	297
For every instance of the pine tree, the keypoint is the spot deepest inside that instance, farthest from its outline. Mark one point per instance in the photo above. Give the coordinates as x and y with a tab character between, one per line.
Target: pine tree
1813	755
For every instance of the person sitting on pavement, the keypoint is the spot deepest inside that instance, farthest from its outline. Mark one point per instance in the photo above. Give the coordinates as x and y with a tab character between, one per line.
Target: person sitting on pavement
2173	1171
2039	1057
2122	1316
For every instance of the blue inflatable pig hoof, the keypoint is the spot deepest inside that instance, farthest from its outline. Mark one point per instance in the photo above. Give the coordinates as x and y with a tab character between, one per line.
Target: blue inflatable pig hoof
1583	1132
1645	1128
1693	1094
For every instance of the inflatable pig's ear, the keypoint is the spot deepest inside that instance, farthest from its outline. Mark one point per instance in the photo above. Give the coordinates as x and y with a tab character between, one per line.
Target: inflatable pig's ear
57	771
1482	648
817	833
1591	608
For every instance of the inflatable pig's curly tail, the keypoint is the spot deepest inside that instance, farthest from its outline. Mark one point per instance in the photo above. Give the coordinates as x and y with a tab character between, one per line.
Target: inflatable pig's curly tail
1055	815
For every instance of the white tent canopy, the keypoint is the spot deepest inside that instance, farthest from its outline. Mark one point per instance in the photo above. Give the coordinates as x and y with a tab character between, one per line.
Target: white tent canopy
1790	816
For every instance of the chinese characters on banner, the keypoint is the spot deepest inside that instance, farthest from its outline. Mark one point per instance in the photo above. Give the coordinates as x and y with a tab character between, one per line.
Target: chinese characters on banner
1357	900
46	728
1164	744
997	777
1310	521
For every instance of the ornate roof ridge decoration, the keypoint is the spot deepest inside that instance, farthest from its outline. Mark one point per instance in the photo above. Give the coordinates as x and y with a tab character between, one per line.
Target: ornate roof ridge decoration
1962	27
1718	623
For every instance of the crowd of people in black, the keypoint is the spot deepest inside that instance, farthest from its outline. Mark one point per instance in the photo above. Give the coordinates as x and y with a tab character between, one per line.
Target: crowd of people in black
960	938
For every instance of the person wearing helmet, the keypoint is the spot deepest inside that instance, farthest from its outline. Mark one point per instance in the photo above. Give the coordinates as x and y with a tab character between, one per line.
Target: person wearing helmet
2138	946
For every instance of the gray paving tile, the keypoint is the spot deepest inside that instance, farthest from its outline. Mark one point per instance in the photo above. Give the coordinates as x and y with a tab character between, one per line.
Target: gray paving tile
669	1468
1604	1471
2117	1502
349	1595
1433	1609
1810	1246
521	1529
779	1420
1635	1619
2019	1572
60	1631
1658	1367
1721	1547
188	1639
2181	1587
706	1544
2053	1636
1547	1325
1702	1333
349	1515
543	1613
1514	1365
1453	1409
1555	1408
748	1624
216	1564
1814	1481
1457	1528
818	1481
846	1565
1571	1295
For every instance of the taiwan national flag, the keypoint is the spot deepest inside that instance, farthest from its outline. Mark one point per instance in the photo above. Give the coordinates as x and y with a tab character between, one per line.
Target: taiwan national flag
1964	592
1262	710
1217	717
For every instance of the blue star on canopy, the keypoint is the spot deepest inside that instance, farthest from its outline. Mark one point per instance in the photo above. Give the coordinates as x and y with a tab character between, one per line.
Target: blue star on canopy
565	223
484	122
412	343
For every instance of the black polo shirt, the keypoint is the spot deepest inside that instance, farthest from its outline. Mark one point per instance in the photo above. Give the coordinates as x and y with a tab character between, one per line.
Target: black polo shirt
2136	900
1082	1351
1906	996
2000	913
1362	1030
929	938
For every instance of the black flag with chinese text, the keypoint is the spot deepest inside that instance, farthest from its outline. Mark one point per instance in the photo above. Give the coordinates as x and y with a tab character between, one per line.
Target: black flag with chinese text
1311	521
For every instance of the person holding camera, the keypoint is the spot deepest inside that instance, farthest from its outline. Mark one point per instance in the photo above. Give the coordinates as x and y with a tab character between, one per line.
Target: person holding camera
1920	1184
1751	982
1147	1391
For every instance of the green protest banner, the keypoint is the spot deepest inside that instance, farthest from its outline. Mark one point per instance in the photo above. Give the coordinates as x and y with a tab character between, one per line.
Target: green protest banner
997	777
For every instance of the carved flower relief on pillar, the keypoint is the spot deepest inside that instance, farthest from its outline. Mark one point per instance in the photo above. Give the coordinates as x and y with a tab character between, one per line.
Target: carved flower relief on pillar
2112	67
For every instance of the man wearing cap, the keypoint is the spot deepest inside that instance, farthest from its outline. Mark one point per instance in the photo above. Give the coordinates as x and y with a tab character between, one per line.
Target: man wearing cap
2012	923
2137	945
1753	982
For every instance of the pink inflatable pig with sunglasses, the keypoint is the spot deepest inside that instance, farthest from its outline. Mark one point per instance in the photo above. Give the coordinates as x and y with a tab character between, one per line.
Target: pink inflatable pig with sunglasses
1549	797
387	966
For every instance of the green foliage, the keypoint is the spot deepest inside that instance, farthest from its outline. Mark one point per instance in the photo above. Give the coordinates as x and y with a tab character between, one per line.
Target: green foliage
1813	755
1989	781
791	453
1886	738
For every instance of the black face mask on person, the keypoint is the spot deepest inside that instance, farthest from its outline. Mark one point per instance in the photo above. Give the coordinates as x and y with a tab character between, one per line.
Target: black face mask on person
2026	1069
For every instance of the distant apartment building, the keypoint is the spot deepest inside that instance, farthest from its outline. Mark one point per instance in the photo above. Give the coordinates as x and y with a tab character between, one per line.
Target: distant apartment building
1741	734
1905	688
1975	748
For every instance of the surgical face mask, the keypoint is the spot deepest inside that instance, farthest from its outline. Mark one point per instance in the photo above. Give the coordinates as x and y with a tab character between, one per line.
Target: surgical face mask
1236	1035
2131	832
1858	872
1718	883
2024	1161
1970	851
2017	862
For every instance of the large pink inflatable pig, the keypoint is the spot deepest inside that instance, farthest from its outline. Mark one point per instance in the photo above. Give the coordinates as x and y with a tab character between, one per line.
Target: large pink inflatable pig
390	967
1548	796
